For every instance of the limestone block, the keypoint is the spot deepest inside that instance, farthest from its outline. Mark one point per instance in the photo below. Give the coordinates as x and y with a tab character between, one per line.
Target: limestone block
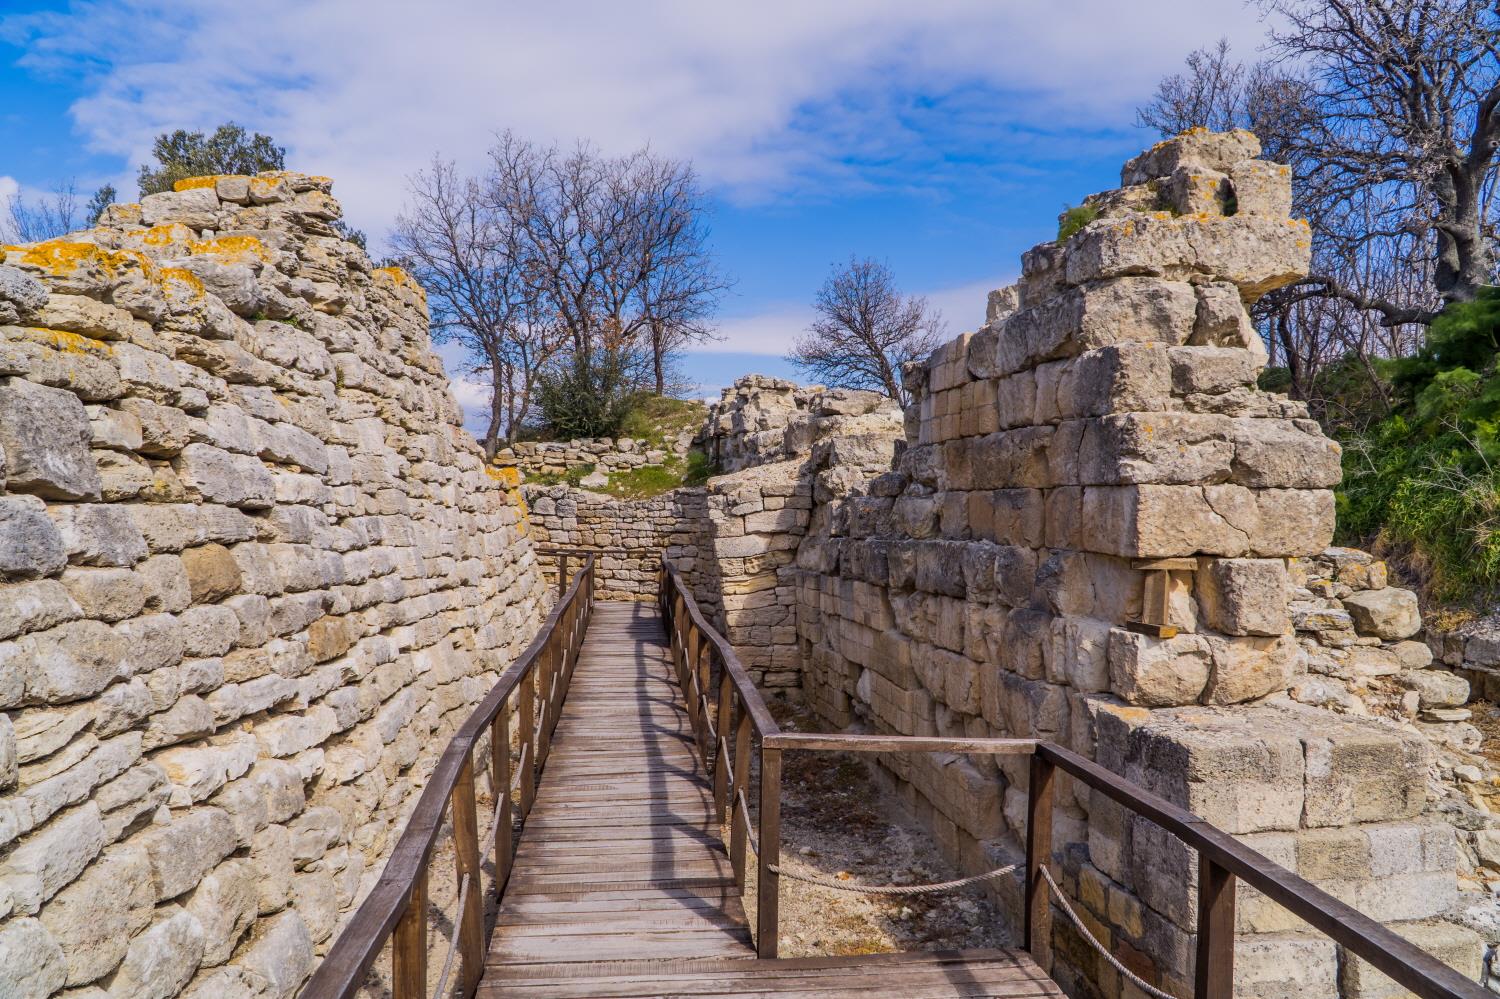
94	918
34	606
98	534
279	956
1262	188
219	476
1098	315
196	208
1241	770
51	857
1196	148
1390	613
30	544
1159	521
186	849
1257	255
1249	668
165	430
212	572
1361	772
70	662
1437	688
315	897
224	904
271	855
1243	596
1271	966
154	641
45	435
161	961
31	962
1158	672
105	594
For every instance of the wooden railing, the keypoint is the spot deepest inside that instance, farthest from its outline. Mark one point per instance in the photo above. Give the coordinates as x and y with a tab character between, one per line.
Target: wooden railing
697	649
531	691
1222	860
562	554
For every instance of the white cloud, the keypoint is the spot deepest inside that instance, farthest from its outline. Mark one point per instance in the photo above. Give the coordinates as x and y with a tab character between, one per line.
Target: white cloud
762	96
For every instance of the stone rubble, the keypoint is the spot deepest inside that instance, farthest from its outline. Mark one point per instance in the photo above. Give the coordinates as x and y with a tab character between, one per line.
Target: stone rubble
604	453
253	574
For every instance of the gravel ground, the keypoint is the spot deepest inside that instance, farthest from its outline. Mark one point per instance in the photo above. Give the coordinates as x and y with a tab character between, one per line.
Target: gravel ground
836	823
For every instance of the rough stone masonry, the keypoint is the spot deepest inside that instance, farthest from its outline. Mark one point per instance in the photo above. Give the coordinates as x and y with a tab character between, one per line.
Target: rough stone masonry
1098	531
252	575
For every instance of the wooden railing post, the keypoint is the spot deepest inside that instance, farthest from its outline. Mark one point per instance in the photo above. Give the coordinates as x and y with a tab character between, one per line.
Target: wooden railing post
562	574
739	818
526	723
1038	936
768	894
409	944
1213	976
470	928
500	787
722	720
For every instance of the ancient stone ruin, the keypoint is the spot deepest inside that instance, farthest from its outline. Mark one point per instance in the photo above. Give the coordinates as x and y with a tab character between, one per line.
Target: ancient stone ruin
255	574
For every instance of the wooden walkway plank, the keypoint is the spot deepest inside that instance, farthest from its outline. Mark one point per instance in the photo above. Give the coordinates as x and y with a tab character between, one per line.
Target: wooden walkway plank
622	886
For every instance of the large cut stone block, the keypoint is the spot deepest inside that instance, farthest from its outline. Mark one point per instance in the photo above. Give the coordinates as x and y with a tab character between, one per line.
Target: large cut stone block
1162	521
45	436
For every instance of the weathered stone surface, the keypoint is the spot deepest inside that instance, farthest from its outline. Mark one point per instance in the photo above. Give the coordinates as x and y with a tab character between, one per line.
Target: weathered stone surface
1387	613
30	544
186	849
49	860
94	918
1244	596
161	960
225	905
98	534
31	962
219	476
279	956
72	661
45	435
34	606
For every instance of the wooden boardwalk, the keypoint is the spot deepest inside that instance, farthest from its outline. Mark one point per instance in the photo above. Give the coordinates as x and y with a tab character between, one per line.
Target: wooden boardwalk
622	886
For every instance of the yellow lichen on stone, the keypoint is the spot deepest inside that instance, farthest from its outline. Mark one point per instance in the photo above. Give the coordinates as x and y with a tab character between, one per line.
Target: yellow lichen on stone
399	277
167	233
507	475
194	183
187	277
67	343
232	247
61	256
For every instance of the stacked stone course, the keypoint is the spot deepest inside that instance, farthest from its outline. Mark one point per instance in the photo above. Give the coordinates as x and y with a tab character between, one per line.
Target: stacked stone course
606	454
252	576
636	532
1099	532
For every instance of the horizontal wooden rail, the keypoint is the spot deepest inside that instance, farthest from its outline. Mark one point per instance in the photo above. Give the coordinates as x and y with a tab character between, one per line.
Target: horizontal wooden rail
1222	858
396	908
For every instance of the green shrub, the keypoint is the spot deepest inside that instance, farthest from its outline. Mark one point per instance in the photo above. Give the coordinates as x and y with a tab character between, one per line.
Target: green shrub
1425	481
1073	219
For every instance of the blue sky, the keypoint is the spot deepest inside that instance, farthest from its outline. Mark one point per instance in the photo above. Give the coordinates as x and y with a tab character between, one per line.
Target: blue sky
943	137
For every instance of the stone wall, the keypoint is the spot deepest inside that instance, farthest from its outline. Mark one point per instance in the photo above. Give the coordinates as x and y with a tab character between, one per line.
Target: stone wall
252	576
1101	533
606	454
757	420
671	523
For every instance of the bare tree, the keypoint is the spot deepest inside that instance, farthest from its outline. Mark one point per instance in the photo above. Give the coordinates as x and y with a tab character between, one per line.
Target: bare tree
572	278
865	330
35	220
471	256
1408	93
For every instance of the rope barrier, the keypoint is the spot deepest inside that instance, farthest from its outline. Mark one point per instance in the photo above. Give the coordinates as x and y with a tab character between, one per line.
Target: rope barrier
1130	976
927	889
463	896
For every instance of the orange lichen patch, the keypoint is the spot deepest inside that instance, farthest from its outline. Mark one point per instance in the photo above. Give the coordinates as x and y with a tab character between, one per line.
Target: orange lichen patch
233	247
193	183
187	277
398	276
59	256
507	475
67	343
167	233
